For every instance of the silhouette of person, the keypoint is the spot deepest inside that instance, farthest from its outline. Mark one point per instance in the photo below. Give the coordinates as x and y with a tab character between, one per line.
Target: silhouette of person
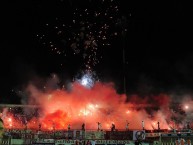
68	126
40	126
83	127
127	125
99	126
158	125
188	125
143	125
113	127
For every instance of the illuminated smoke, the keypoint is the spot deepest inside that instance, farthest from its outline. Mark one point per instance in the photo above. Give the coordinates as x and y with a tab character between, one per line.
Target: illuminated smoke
99	103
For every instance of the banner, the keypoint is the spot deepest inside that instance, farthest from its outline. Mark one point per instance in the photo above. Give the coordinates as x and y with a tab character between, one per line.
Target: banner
113	142
139	135
67	134
94	135
27	136
43	141
101	142
152	134
117	135
78	134
176	134
43	144
64	141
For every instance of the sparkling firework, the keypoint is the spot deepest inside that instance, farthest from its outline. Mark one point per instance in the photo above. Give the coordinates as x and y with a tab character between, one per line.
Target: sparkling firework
87	79
88	31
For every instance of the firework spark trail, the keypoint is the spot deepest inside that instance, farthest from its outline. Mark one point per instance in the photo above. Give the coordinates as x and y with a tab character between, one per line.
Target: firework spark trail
90	30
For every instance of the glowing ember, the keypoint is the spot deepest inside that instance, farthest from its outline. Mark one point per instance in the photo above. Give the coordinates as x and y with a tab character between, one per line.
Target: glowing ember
186	106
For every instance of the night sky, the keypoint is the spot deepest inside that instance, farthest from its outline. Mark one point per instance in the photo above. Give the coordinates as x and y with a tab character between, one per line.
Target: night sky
156	37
